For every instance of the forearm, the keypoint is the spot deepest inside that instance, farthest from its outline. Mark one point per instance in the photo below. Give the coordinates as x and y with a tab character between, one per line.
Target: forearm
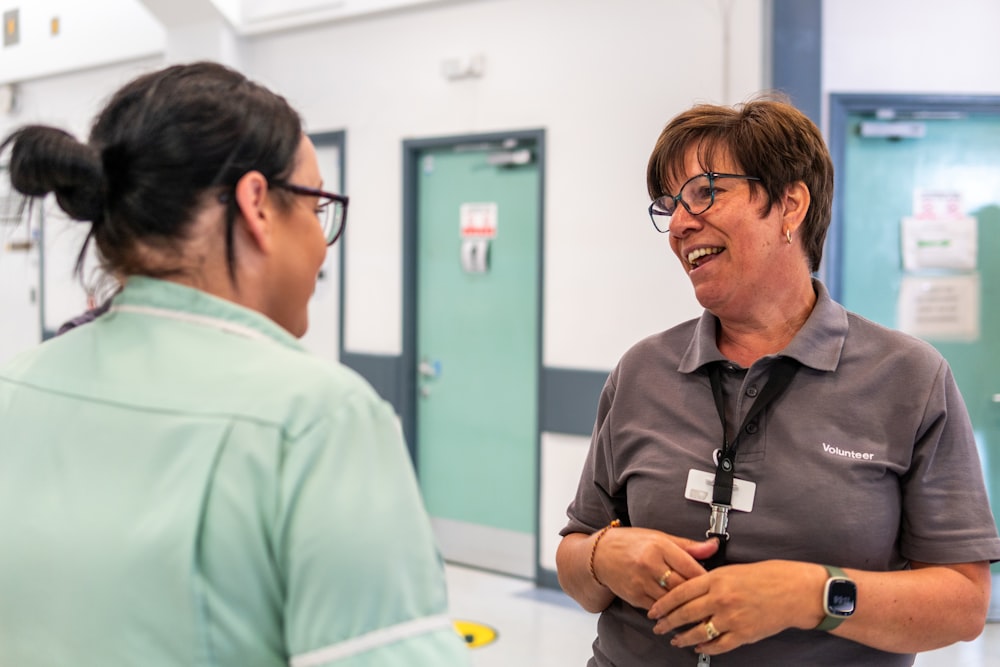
573	568
902	612
920	609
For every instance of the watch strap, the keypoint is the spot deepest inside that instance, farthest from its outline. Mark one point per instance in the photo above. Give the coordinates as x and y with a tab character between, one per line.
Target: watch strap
830	621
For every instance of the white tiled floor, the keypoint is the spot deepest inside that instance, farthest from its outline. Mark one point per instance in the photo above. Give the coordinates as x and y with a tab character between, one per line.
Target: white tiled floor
539	627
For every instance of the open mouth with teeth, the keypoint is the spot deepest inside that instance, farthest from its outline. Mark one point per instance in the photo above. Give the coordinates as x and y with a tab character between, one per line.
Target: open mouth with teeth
697	257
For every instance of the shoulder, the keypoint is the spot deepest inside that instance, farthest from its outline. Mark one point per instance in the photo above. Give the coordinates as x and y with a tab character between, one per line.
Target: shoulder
671	342
657	354
214	371
865	337
303	386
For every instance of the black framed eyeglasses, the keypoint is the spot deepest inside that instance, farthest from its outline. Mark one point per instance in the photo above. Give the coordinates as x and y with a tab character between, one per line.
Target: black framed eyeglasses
331	209
697	195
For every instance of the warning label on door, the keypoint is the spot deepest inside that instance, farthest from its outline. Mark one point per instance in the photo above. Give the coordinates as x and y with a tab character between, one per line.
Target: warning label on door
478	220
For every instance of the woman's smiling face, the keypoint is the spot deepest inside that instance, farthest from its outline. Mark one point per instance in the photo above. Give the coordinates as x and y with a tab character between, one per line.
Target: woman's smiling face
731	251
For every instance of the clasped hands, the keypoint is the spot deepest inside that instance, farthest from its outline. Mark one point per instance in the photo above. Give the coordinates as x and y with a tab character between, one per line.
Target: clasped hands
711	611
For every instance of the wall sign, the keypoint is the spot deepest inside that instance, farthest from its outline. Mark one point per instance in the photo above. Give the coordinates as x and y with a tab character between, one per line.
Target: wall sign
943	308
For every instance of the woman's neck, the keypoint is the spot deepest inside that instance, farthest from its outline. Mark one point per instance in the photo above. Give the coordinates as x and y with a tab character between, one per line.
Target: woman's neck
763	331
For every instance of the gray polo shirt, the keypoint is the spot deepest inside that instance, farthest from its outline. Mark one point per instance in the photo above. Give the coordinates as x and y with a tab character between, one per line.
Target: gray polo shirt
867	461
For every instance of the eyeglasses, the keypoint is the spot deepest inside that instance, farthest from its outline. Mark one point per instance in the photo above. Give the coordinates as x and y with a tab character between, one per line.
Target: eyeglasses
697	195
331	209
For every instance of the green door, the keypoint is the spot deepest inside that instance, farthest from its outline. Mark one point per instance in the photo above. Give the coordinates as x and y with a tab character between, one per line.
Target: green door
477	350
934	169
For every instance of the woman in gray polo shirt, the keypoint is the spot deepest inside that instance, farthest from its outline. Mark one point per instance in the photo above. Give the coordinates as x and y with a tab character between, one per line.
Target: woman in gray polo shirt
829	461
181	483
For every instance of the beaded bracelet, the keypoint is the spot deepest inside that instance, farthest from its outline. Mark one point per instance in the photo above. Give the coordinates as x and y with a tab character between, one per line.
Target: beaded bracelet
593	548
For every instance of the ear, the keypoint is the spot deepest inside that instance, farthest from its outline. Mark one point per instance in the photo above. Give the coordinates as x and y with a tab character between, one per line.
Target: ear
251	202
795	204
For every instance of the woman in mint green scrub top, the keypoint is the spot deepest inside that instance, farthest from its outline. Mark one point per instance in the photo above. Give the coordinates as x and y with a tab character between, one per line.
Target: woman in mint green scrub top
181	483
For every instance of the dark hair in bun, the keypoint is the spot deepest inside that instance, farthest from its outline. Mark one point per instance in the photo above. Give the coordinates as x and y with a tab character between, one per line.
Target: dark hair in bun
45	159
161	142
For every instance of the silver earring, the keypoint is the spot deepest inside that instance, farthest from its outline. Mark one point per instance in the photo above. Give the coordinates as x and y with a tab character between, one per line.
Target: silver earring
788	235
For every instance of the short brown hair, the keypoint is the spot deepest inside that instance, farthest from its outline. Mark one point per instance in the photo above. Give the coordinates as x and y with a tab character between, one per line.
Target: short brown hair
766	137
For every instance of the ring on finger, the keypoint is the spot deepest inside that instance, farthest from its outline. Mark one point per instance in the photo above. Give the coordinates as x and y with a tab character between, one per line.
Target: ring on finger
711	631
662	581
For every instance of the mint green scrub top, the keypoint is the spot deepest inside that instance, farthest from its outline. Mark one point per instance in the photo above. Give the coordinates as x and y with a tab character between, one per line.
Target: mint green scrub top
181	483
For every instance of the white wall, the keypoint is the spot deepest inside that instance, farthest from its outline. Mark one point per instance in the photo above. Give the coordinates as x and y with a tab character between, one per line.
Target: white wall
601	78
91	34
898	46
69	101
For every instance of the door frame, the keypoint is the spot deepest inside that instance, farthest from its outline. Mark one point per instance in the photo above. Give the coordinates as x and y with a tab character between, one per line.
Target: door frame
844	104
337	139
412	149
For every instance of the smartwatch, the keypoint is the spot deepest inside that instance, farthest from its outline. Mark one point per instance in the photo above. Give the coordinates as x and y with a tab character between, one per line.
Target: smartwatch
840	597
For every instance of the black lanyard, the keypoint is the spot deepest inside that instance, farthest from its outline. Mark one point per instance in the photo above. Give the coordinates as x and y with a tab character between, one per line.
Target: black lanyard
722	492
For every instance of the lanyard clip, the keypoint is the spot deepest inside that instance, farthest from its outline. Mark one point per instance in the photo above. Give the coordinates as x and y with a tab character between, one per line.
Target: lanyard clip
718	524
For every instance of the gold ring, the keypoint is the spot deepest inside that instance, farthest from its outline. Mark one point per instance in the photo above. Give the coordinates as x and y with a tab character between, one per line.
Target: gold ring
663	578
710	630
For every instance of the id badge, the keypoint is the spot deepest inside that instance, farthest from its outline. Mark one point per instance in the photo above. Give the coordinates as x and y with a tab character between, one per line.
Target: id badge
701	484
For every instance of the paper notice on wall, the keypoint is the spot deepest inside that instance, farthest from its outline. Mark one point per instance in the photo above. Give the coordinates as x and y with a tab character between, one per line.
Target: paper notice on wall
937	204
942	308
940	243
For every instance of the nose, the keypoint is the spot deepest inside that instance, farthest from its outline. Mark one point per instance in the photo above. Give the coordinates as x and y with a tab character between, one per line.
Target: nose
682	222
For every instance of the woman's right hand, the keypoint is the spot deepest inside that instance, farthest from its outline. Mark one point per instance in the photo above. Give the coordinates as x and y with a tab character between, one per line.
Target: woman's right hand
640	565
628	563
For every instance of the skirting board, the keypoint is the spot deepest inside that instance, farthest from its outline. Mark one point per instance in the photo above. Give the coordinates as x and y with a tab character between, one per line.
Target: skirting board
495	549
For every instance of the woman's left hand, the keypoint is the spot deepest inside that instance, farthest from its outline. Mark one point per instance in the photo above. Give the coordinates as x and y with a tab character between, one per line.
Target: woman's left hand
741	604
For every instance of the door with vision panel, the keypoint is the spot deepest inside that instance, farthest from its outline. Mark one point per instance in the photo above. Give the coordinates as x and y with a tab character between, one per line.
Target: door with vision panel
477	349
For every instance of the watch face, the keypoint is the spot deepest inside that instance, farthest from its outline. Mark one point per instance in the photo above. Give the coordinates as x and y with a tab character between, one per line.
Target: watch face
840	597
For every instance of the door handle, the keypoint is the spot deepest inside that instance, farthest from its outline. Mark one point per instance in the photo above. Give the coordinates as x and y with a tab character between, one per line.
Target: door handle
428	369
